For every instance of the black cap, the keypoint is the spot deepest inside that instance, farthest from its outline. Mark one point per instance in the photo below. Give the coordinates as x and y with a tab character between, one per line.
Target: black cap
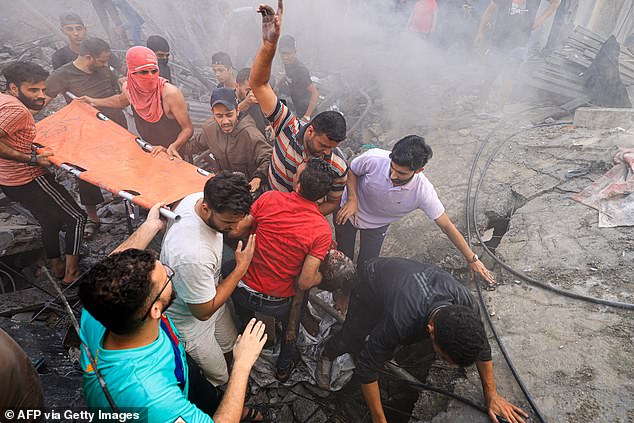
70	18
224	96
157	43
287	44
222	58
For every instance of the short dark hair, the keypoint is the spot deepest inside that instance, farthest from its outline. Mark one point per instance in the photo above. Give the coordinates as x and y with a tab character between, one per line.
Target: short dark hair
315	180
331	124
94	47
116	291
243	75
222	58
157	43
411	151
460	334
228	191
19	72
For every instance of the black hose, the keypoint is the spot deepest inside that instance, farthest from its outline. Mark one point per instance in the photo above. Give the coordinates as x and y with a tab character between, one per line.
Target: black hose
617	304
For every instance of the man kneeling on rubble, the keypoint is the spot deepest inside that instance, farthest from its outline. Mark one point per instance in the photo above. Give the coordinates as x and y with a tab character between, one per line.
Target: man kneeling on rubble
401	302
137	348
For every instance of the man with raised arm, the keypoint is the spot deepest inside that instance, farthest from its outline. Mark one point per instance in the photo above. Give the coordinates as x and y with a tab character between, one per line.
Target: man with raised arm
295	143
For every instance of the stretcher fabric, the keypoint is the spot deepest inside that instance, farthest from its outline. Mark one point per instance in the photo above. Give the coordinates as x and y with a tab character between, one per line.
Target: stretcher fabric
80	136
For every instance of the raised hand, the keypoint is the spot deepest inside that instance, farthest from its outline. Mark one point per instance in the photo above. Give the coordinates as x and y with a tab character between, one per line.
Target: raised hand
271	21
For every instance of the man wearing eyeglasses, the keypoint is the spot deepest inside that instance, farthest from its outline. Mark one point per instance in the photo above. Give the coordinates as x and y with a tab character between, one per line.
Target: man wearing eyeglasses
138	351
159	108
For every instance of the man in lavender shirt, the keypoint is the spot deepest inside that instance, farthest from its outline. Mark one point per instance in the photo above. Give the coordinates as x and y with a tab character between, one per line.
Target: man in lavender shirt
381	188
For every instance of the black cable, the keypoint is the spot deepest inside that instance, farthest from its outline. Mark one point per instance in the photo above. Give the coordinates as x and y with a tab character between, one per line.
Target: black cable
617	304
450	394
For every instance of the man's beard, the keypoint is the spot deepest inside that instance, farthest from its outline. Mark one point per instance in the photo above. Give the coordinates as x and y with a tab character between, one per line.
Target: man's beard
170	301
30	104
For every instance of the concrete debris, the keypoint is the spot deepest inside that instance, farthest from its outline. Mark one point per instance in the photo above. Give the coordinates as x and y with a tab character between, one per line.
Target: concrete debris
604	118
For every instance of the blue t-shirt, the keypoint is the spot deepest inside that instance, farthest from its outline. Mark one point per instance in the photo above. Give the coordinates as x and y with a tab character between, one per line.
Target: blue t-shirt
140	377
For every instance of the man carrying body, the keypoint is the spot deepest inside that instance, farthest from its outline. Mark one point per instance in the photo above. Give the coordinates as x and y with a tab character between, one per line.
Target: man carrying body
301	88
293	238
248	103
296	144
235	142
402	302
137	349
382	187
88	75
193	248
74	29
159	108
23	174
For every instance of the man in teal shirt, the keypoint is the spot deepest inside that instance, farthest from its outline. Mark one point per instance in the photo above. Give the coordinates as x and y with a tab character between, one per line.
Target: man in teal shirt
137	348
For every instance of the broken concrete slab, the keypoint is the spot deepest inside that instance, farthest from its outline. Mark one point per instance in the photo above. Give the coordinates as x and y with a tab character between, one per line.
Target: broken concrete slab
604	118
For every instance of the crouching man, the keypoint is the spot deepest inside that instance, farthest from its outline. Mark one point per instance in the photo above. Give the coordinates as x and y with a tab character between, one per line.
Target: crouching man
138	350
400	302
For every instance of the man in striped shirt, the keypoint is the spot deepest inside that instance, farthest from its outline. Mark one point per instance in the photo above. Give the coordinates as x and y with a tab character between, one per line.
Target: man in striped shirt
23	174
296	143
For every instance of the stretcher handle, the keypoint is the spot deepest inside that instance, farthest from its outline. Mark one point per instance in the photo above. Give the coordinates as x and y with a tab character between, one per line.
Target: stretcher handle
166	213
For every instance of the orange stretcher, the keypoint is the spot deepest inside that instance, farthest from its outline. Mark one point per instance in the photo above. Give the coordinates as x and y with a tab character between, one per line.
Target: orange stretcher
88	145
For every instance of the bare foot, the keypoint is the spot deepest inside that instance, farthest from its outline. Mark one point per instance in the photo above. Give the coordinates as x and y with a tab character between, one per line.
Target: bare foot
58	268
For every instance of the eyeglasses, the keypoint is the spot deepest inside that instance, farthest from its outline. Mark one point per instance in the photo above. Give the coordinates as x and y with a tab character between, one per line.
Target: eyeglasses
147	72
170	275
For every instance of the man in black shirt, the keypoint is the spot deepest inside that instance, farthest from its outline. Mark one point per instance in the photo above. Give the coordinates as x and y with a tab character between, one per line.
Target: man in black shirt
74	29
301	88
401	302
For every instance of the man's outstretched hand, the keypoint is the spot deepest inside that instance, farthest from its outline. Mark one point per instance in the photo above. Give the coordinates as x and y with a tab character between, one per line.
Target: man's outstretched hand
498	406
271	21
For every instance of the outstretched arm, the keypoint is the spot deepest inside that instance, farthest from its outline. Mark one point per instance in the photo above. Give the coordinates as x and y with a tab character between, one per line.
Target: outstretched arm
261	70
475	265
497	405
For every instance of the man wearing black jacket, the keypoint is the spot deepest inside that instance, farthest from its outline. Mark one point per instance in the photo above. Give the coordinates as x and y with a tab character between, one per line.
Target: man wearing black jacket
401	302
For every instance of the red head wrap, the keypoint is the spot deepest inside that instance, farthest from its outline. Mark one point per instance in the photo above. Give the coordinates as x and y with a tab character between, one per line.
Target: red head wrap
145	90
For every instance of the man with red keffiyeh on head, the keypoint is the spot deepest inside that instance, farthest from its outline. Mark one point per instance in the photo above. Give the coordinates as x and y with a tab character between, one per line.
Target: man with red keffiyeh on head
159	108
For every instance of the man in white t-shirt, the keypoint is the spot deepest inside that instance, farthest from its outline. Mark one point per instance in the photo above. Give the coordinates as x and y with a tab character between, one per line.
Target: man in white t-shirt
384	186
192	247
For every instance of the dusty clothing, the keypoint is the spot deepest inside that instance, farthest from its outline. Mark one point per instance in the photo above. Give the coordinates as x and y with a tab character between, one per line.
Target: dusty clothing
65	55
20	387
261	122
243	150
393	303
164	132
17	121
102	83
194	251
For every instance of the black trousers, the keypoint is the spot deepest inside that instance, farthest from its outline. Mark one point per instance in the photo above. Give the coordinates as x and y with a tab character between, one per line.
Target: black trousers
89	195
371	241
202	394
54	209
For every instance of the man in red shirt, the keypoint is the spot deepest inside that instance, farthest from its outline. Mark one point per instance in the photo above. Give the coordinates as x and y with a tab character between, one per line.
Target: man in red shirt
23	174
292	240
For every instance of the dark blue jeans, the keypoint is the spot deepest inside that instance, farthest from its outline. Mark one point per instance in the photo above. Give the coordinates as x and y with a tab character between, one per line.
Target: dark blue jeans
247	303
370	243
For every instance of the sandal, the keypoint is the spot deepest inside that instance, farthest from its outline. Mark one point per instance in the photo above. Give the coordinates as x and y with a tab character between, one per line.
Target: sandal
91	229
255	411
